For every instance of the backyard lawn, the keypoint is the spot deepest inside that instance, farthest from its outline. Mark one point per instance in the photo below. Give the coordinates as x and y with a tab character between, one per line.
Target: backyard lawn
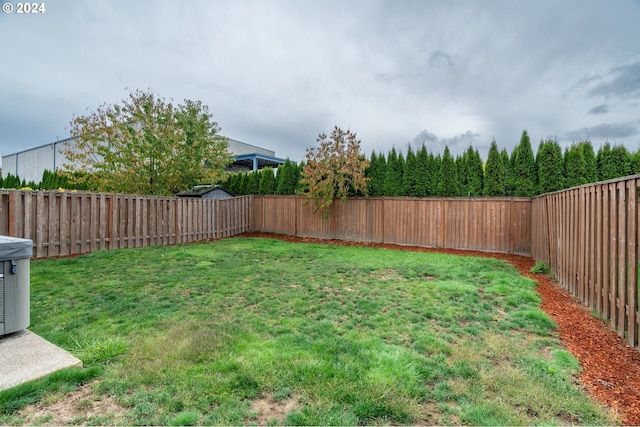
246	331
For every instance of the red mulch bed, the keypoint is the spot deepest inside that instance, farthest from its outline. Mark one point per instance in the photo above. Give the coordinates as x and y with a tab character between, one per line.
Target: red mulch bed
611	368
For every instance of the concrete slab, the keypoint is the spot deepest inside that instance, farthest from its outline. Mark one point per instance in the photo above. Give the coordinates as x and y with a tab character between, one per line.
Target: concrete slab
24	356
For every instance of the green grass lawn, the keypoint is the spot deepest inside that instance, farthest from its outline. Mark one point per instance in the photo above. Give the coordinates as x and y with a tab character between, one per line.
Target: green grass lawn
197	334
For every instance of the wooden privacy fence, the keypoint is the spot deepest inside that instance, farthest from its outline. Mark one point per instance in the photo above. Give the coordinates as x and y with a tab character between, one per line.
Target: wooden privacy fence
487	224
67	223
589	237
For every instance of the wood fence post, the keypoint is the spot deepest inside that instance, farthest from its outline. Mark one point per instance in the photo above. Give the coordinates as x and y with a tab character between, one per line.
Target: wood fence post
632	256
12	214
219	234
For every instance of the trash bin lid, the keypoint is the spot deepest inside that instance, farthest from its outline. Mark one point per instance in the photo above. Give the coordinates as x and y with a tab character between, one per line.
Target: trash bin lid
15	248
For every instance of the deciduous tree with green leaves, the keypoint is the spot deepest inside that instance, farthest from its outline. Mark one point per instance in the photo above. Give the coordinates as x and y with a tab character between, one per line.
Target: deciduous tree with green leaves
334	169
146	145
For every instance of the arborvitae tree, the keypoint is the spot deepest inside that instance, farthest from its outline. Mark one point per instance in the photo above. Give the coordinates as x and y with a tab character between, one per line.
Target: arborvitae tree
423	170
435	163
434	179
550	166
45	182
410	185
17	183
393	178
461	168
267	183
296	170
603	163
288	177
510	183
301	188
56	181
236	184
590	163
245	183
525	168
574	166
376	173
253	183
506	162
621	161
448	185
227	183
495	175
11	181
403	167
240	185
474	174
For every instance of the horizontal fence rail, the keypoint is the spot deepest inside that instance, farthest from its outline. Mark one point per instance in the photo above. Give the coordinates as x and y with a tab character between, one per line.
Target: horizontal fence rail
67	223
487	224
589	237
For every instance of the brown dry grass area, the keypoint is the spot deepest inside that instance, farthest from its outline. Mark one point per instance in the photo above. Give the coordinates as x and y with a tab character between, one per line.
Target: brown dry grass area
611	368
75	408
268	409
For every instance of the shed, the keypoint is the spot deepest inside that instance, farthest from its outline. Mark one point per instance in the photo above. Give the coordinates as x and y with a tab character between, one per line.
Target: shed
207	192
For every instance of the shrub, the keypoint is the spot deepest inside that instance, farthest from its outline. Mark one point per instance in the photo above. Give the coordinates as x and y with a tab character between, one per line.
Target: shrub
540	268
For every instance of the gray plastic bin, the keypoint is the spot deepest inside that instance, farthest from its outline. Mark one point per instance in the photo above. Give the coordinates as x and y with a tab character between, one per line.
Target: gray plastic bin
14	284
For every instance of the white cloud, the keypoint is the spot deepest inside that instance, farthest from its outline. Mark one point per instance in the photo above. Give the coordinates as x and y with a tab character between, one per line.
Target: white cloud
277	73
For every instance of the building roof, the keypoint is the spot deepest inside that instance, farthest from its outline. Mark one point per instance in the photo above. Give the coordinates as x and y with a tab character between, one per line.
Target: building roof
200	190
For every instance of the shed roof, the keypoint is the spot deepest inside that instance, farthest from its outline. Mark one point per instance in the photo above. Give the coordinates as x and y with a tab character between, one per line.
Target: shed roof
200	190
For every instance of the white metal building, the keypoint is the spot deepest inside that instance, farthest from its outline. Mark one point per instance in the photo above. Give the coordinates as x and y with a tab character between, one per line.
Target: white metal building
30	164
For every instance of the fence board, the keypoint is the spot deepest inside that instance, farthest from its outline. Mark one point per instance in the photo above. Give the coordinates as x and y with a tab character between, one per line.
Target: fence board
632	260
592	247
599	248
622	260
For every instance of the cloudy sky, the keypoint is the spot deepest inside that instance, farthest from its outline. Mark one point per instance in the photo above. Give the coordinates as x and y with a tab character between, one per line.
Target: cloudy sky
277	73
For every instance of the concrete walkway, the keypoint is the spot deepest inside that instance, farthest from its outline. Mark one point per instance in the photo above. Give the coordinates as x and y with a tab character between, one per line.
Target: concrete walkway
24	356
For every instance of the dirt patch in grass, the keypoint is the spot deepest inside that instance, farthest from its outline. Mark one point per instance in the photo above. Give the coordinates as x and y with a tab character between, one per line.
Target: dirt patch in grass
611	368
76	407
268	409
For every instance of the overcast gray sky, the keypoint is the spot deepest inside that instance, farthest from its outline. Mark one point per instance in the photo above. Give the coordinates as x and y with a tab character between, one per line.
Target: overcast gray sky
277	73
